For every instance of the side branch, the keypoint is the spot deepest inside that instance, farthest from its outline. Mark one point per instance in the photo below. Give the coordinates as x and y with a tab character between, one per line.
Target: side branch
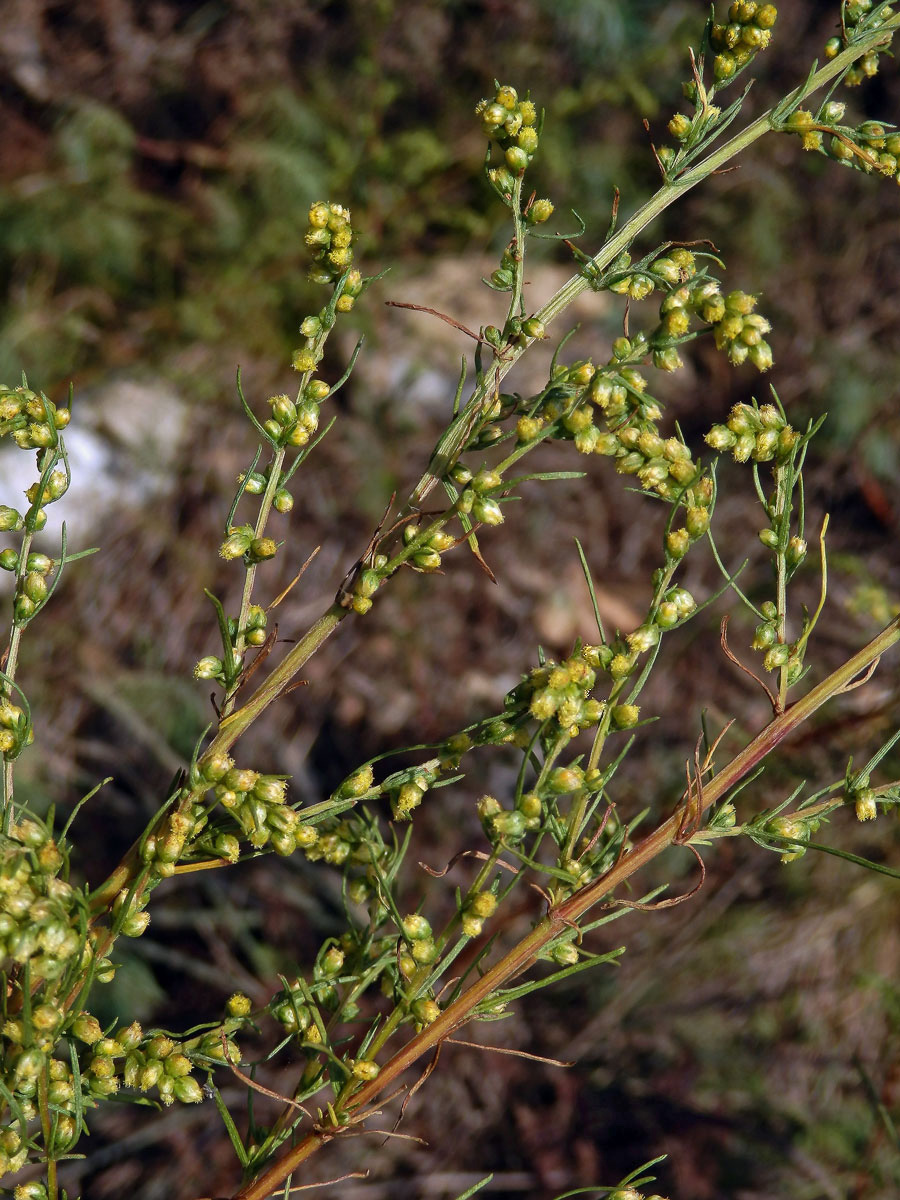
523	955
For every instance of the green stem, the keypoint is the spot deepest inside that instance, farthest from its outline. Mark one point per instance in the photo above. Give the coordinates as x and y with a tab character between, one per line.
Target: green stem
515	302
524	954
12	662
783	488
265	508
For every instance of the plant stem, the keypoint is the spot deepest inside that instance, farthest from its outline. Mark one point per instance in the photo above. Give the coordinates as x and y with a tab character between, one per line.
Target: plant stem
523	955
262	518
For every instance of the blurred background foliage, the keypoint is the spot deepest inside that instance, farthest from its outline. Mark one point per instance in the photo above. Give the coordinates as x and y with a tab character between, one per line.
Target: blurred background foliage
158	163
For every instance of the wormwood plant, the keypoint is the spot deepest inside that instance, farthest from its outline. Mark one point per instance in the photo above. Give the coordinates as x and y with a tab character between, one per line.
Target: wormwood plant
383	996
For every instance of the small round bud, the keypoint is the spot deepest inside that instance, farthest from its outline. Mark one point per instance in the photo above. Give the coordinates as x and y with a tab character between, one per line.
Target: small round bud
262	548
187	1090
678	542
776	656
209	667
487	511
87	1029
365	1069
10	519
764	636
482	904
509	826
565	954
625	716
236	544
796	551
517	159
424	951
563	780
425	1011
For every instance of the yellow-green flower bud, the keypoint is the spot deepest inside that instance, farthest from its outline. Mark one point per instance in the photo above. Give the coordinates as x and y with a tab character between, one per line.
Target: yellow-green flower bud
540	211
87	1029
482	904
10	520
136	924
408	798
130	1037
865	805
517	159
624	716
776	656
678	542
209	667
304	360
262	548
486	511
563	780
365	1069
764	636
237	543
796	551
425	1011
424	951
510	826
620	666
415	926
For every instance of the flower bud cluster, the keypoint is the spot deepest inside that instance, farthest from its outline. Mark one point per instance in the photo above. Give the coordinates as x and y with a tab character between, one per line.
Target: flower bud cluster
13	1153
15	729
561	692
30	419
254	634
338	842
330	238
757	432
736	43
477	909
255	803
477	499
132	1059
294	422
33	585
164	848
427	555
859	16
419	941
40	914
671	269
503	279
511	123
736	328
242	542
796	826
767	639
368	580
290	1009
869	147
